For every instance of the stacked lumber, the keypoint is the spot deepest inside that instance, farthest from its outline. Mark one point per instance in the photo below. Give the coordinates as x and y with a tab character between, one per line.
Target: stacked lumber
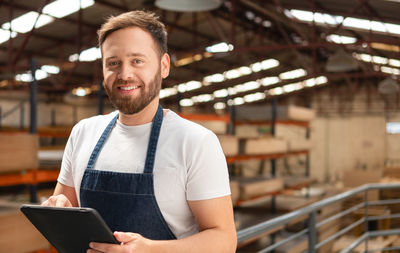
18	151
17	234
229	144
256	187
264	113
265	146
374	243
391	194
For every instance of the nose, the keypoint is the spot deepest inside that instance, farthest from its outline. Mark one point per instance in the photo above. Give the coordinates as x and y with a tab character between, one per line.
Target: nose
125	72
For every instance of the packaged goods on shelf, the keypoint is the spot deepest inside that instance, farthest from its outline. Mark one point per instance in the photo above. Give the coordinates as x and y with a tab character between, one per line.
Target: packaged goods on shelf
264	113
17	234
235	191
229	144
218	127
299	144
18	151
265	146
255	187
50	158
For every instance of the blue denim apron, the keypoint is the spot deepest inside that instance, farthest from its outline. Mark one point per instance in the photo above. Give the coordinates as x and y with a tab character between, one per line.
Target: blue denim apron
126	201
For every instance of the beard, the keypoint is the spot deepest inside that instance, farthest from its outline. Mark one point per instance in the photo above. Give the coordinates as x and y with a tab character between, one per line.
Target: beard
128	105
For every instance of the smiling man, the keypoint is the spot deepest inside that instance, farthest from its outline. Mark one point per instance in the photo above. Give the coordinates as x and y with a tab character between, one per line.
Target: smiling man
159	181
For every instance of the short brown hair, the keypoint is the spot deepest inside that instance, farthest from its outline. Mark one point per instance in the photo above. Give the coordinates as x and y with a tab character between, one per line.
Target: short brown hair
145	20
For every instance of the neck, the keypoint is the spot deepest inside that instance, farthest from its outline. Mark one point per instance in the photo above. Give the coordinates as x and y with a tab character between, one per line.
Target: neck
144	116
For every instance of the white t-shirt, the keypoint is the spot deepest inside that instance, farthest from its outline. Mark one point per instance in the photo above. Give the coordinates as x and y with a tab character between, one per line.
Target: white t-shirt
186	152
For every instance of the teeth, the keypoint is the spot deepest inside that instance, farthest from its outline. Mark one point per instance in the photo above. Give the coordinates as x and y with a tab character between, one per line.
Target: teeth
129	88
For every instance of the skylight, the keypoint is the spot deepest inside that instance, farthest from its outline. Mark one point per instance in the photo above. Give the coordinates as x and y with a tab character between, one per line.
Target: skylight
90	54
5	35
220	48
340	39
24	23
293	74
62	8
350	22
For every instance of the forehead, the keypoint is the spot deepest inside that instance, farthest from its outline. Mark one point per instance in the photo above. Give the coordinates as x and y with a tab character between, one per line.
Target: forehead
127	41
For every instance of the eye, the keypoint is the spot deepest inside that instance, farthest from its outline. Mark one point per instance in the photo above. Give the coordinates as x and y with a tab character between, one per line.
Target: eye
112	63
137	61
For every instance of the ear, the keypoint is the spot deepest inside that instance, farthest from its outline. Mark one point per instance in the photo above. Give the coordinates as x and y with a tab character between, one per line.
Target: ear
165	64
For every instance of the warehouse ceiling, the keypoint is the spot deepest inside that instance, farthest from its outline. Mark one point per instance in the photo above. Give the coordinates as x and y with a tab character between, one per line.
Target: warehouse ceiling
245	51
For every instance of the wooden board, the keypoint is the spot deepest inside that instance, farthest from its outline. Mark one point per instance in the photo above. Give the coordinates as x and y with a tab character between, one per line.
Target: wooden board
354	178
264	113
18	151
253	187
17	234
218	127
299	144
235	191
229	144
265	146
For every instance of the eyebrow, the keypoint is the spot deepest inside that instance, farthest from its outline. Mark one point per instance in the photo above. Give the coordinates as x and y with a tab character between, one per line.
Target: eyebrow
130	55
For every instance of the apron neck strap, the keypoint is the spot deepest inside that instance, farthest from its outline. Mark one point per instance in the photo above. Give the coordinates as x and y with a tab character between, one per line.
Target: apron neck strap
151	148
154	134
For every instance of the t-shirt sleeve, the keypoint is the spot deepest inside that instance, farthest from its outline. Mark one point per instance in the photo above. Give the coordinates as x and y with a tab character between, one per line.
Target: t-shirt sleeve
207	170
66	174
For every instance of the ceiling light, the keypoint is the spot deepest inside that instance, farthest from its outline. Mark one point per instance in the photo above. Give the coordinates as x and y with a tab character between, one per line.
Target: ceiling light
51	69
269	64
389	70
293	74
166	92
254	97
220	48
202	98
5	35
256	67
220	93
214	78
186	102
339	39
219	106
188	5
270	80
27	76
233	73
24	23
245	70
81	91
394	62
238	101
292	87
90	54
62	8
276	91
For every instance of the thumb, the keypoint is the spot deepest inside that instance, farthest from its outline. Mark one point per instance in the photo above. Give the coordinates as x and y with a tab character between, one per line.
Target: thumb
125	237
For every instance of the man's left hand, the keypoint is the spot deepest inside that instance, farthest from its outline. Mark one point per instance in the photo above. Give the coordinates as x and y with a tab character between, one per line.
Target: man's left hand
130	242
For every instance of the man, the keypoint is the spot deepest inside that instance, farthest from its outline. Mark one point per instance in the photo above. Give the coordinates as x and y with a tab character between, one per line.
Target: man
149	173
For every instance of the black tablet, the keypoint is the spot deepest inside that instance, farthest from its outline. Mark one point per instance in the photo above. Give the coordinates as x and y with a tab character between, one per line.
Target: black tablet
69	229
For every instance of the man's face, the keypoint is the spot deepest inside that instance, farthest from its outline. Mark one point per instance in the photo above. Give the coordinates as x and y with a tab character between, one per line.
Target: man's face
132	69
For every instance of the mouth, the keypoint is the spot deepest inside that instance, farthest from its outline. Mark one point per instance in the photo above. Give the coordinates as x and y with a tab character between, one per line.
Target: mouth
128	88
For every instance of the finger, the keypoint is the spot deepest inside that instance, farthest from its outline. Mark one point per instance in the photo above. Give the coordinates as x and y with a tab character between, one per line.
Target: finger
105	247
62	201
126	237
93	251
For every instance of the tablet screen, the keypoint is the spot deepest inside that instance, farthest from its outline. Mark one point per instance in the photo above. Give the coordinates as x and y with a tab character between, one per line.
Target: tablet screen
69	229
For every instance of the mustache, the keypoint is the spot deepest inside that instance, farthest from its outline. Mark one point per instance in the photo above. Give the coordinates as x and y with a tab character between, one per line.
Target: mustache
124	82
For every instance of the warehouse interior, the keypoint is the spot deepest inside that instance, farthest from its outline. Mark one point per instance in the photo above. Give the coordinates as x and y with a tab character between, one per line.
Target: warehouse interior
302	94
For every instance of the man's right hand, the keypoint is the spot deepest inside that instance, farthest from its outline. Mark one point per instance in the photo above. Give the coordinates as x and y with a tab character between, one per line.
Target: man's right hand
59	200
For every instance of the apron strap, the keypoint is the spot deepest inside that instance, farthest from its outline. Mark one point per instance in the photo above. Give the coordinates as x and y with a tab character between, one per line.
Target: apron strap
154	134
100	143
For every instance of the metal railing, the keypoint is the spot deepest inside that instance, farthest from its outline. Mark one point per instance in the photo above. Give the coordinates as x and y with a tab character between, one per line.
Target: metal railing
311	231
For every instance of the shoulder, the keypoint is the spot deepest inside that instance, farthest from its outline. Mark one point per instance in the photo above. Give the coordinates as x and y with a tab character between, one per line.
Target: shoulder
93	124
184	128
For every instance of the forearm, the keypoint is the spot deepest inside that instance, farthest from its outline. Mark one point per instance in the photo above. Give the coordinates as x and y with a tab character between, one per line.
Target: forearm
210	240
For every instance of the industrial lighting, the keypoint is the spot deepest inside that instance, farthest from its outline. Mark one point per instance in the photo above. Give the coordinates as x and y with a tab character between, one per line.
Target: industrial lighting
27	76
166	92
5	35
188	5
340	39
24	23
215	78
276	91
389	70
62	8
51	69
377	59
349	22
266	81
254	97
219	106
221	93
81	91
202	98
238	101
293	74
186	102
220	48
269	64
